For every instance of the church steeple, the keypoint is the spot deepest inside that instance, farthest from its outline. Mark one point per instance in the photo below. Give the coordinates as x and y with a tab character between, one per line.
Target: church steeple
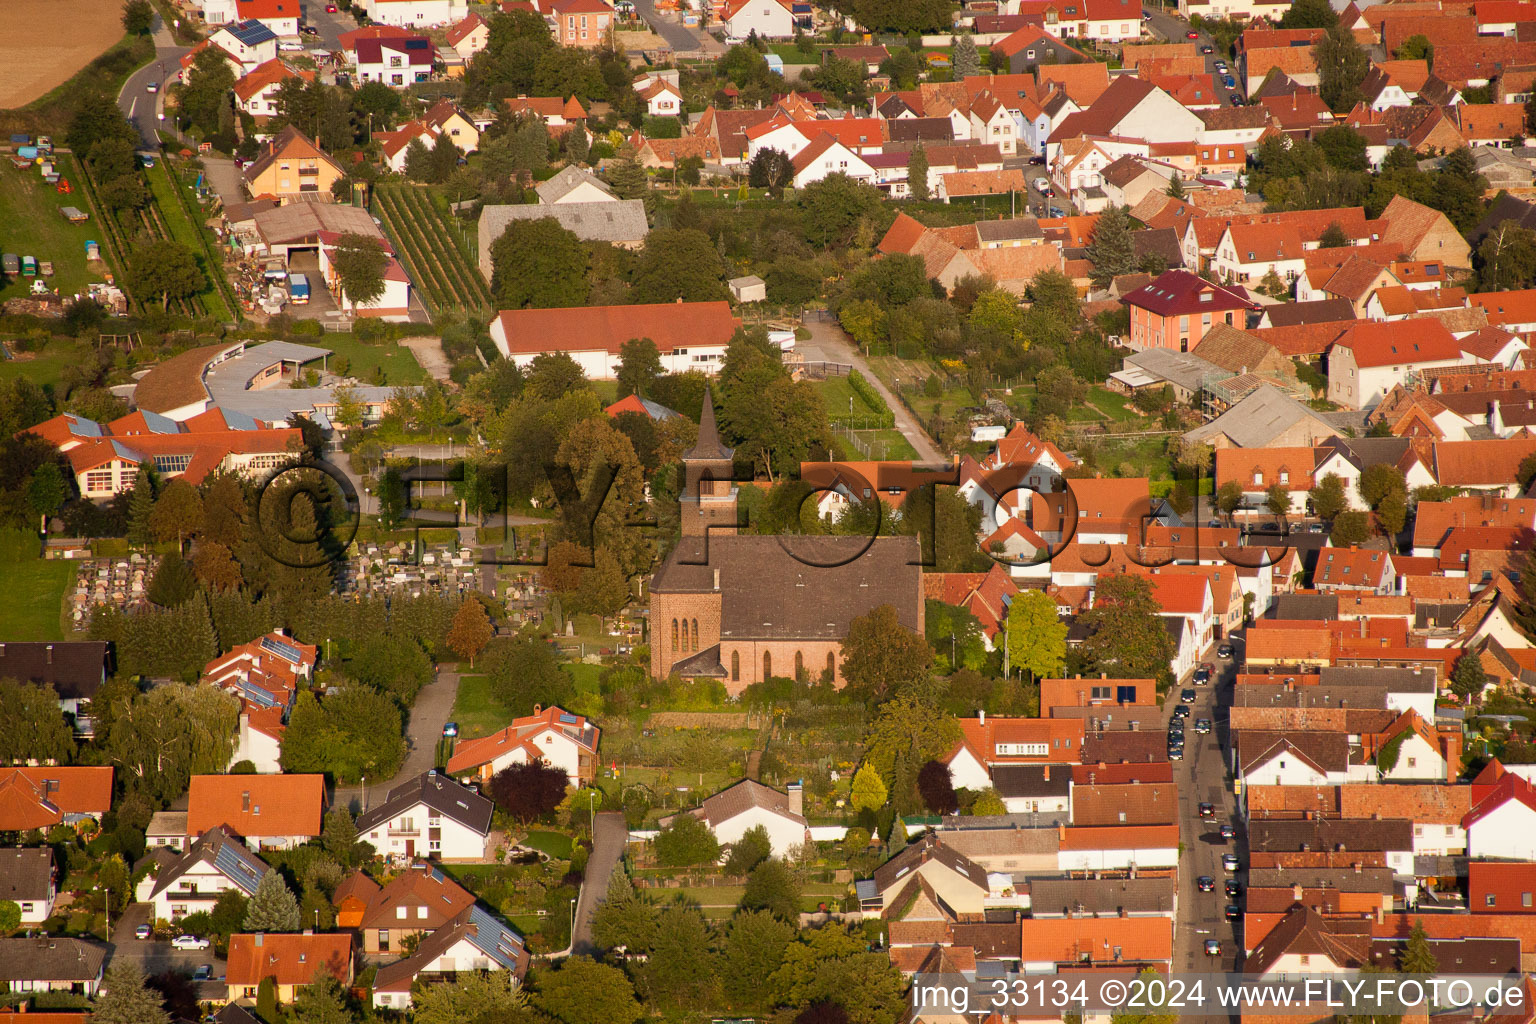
709	496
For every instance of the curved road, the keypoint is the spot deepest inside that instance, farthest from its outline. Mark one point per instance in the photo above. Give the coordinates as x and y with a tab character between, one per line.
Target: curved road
137	103
829	342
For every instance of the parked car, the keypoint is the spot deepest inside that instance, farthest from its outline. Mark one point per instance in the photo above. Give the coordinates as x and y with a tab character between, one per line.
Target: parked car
1229	82
1057	211
141	932
1191	34
310	30
1187	697
189	943
1202	726
1229	831
1207	50
1202	676
330	8
1233	912
1207	810
1237	101
1213	947
1229	863
1037	159
204	972
1224	651
1180	711
1175	753
1205	883
1233	890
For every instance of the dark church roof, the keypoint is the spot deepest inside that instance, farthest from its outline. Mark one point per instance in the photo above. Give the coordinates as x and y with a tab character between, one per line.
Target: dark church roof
797	587
708	445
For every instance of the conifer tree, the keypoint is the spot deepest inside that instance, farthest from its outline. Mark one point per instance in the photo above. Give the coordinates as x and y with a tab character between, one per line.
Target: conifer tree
127	1000
273	907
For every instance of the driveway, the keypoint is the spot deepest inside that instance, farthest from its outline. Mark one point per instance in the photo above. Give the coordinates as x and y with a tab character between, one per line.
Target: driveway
433	706
224	178
608	841
828	343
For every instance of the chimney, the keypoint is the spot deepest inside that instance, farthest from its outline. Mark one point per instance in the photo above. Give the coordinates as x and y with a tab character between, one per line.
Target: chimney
717	580
309	931
981	717
258	939
50	654
796	791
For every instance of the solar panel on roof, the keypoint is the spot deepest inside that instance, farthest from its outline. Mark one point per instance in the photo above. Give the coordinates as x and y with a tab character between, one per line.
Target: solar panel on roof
283	650
568	719
236	868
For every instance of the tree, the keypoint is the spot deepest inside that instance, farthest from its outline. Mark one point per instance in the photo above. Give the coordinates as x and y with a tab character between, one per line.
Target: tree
868	793
909	730
917	171
1333	237
1506	257
173	582
772	887
1417	957
679	264
749	851
352	733
1327	497
880	654
834	206
205	99
47	489
834	964
1175	187
322	1001
1341	68
471	629
988	804
628	179
359	262
583	991
126	999
639	367
1112	251
338	834
538	264
1415	47
685	842
1126	634
138	17
166	270
529	790
755	941
273	907
480	997
966	61
141	505
178	512
1229	497
937	789
1309	14
1277	500
394	498
266	1000
1350	528
10	916
1468	676
770	169
1036	635
32	728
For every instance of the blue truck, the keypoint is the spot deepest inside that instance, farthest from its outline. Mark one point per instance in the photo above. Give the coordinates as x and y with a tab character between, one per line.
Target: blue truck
298	289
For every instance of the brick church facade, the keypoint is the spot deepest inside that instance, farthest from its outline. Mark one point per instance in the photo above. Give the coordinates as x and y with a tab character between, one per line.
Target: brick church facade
740	608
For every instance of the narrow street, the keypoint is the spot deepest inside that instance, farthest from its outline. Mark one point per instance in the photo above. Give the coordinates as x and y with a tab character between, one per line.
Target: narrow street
828	343
1174	29
608	841
138	104
1202	778
433	706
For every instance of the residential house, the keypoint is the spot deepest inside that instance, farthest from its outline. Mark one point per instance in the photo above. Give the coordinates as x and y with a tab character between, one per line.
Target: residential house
289	960
662	98
27	880
48	795
281	16
556	114
416	902
448	119
431	816
749	804
469	36
75	669
256	91
291	168
825	156
395	144
1354	569
192	882
415	13
769	19
248	43
266	672
1129	109
689	335
396	61
552	735
30	966
985	744
473	941
1176	310
1370	358
1502	821
268	811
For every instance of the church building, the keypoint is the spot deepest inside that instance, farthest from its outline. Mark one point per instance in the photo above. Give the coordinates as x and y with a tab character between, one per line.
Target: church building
740	607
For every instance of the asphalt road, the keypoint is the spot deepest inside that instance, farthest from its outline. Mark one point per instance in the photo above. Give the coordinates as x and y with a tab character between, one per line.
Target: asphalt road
156	956
608	841
1176	30
678	36
137	103
1202	778
433	706
329	26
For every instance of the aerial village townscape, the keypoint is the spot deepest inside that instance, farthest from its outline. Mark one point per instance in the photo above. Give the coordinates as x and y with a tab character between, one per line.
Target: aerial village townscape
570	512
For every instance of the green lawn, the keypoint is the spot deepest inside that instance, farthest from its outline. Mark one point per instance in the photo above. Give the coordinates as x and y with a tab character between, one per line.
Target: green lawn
400	367
34	602
476	710
163	184
45	367
883	444
31	225
586	676
553	843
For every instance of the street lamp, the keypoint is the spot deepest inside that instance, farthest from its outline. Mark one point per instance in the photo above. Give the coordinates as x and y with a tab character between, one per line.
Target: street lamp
573	924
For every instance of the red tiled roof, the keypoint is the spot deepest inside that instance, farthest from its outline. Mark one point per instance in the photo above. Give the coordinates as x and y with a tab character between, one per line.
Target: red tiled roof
1178	292
288	959
256	805
39	797
607	328
1398	342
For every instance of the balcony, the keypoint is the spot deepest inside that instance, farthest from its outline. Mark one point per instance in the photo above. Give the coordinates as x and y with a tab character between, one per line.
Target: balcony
404	833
